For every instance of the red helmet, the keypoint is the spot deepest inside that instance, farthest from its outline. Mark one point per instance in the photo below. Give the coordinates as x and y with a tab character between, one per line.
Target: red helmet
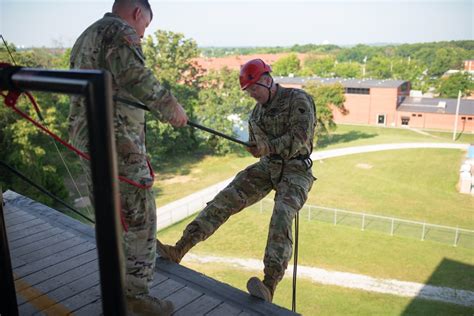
251	72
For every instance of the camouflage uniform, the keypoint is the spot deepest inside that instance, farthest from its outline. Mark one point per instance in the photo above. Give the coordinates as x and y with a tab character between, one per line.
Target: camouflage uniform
112	44
287	125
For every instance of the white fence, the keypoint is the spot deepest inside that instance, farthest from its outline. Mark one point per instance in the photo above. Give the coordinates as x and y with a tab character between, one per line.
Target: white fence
179	210
393	226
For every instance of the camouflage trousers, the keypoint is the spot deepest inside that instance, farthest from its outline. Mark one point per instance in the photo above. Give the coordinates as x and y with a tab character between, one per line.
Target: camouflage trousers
139	241
250	186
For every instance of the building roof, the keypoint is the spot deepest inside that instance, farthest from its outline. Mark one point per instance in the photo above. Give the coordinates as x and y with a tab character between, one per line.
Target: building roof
347	83
436	105
54	259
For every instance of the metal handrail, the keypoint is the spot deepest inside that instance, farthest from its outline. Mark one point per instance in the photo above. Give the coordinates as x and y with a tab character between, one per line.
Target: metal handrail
96	87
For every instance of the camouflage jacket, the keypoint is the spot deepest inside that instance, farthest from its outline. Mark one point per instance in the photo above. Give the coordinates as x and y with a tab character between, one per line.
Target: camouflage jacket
287	123
112	44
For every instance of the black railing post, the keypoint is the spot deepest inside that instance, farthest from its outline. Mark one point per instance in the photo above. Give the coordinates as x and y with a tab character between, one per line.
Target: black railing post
8	305
96	87
106	195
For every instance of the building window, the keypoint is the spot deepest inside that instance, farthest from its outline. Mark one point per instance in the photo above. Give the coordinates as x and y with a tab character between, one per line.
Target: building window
404	87
357	90
419	115
405	120
414	115
381	119
463	118
469	118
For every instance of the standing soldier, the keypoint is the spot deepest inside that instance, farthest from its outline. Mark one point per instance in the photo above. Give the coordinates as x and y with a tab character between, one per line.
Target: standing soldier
281	129
113	44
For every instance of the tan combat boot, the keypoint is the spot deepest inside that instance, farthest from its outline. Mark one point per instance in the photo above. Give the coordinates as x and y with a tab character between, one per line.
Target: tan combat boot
258	289
174	253
145	304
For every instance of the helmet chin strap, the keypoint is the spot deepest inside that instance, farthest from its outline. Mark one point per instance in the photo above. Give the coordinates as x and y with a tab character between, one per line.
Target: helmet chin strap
269	89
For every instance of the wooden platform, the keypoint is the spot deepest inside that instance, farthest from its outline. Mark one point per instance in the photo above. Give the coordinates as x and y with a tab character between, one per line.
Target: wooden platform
55	267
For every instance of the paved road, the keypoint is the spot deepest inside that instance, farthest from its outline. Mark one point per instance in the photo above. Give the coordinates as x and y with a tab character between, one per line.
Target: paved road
324	154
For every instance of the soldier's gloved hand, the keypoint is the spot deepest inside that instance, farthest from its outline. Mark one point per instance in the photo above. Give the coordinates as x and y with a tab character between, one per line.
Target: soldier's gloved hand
259	149
179	118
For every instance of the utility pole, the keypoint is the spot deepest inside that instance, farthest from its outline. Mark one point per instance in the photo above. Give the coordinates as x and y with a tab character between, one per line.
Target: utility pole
456	116
363	69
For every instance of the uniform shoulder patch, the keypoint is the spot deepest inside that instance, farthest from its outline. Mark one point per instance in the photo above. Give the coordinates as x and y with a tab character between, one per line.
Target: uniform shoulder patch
132	39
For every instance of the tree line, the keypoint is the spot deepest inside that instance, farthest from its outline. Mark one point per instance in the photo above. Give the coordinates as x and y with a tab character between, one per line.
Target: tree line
423	64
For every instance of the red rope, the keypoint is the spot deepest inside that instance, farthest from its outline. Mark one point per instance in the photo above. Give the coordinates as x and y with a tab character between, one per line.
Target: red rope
10	101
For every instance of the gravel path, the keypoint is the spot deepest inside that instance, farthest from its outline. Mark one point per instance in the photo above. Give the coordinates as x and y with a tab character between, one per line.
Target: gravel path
351	280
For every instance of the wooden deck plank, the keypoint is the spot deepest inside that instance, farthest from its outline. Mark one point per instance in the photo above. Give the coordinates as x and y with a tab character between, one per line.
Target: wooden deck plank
25	233
92	309
19	219
24	226
56	258
157	279
60	294
58	269
34	237
224	309
59	280
95	308
41	244
52	249
166	288
183	297
200	306
12	213
77	301
17	262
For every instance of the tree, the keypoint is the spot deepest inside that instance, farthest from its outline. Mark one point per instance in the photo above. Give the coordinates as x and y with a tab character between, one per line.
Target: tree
222	106
325	97
449	87
348	70
379	67
170	56
286	65
25	147
320	66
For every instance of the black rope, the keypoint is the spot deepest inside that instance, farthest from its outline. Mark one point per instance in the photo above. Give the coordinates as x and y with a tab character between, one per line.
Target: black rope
195	125
8	49
295	260
43	190
207	129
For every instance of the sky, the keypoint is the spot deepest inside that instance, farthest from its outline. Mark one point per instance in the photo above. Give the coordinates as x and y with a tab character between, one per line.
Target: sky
57	23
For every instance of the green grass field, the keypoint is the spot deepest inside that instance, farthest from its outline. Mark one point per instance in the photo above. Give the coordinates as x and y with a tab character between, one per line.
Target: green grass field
356	135
412	184
185	175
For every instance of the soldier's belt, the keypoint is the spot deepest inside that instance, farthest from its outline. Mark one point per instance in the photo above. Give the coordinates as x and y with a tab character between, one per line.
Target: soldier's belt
304	158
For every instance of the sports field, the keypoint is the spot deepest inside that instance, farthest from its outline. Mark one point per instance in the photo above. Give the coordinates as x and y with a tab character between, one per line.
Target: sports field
417	185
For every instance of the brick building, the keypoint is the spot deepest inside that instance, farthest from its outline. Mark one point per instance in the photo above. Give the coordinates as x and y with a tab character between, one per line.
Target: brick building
388	103
469	65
